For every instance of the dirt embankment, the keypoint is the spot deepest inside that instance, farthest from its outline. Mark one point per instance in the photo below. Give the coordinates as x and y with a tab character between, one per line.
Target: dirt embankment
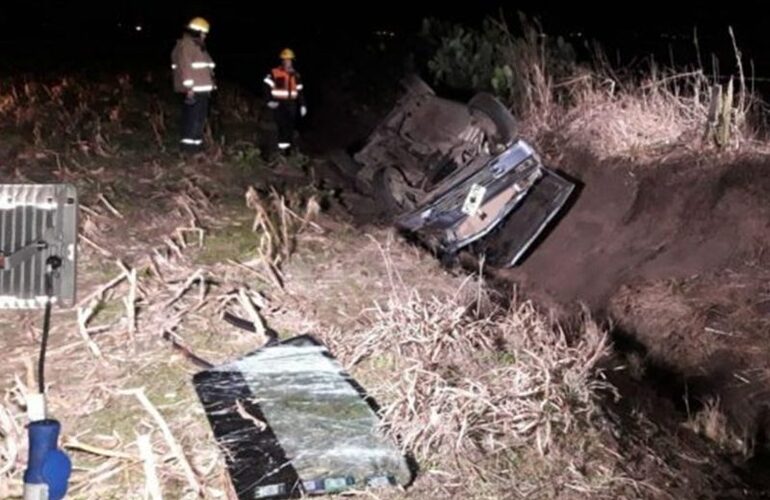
675	256
672	221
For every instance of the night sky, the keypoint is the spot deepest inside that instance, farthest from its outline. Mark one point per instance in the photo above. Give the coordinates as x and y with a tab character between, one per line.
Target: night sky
41	35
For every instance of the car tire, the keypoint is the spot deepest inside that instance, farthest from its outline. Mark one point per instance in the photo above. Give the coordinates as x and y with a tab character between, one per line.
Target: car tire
385	181
506	127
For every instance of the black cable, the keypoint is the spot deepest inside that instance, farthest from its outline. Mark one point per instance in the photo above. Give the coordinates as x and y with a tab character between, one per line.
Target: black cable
196	360
52	263
244	324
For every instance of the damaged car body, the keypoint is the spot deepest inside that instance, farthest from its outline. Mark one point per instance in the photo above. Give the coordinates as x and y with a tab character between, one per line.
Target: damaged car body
456	174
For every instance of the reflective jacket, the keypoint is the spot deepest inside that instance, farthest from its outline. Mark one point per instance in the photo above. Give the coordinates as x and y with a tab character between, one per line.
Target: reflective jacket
282	85
192	66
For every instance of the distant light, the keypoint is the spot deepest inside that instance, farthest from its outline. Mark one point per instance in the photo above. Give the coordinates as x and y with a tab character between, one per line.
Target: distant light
138	28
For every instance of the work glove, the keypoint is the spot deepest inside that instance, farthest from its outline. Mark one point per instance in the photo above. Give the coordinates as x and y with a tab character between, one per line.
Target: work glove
272	104
303	111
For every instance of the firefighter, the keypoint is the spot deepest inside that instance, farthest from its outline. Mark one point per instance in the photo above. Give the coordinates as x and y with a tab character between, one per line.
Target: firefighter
194	80
285	96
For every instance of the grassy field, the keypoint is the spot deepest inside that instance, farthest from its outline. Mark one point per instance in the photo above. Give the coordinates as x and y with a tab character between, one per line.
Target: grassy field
492	397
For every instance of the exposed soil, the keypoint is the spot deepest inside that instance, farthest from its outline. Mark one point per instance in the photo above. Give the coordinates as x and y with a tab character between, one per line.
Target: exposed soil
667	222
675	255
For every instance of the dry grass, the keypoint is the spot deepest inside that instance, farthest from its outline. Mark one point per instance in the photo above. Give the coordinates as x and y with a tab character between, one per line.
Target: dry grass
492	401
711	422
120	362
640	115
105	117
536	388
642	120
661	114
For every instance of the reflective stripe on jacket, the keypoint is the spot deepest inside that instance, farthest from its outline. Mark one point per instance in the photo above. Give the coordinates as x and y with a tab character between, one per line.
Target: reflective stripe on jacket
282	85
192	66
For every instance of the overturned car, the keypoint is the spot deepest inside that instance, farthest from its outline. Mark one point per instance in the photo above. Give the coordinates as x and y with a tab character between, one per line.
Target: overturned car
455	174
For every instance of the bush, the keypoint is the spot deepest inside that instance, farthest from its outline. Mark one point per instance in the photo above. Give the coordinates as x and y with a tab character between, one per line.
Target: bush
592	106
517	69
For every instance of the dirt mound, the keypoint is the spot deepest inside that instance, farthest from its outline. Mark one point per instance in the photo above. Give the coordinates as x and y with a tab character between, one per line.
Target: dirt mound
675	257
672	221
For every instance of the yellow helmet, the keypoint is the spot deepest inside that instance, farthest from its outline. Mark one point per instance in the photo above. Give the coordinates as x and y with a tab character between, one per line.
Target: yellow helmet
199	24
287	54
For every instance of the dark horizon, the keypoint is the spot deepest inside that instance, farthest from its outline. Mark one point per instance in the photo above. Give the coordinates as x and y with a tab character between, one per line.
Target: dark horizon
40	36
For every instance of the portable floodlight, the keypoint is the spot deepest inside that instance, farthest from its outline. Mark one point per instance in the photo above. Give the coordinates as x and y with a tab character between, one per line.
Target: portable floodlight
38	246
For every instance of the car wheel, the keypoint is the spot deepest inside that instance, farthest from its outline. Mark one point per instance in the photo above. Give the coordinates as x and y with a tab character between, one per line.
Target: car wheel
505	127
392	191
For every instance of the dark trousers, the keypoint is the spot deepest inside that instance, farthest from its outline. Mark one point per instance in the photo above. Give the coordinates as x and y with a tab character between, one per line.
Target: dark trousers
194	113
286	119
